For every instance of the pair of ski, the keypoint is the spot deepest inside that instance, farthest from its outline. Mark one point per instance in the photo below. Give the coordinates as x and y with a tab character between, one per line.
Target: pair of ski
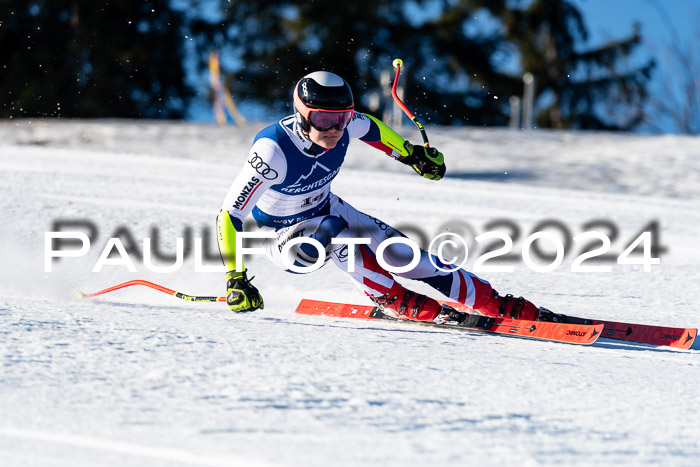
569	329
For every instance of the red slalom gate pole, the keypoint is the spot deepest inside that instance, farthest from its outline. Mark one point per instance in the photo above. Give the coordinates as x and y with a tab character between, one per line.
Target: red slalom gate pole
398	63
159	288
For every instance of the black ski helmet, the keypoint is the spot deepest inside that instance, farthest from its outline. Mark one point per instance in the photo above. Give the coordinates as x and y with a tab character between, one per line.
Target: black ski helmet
320	90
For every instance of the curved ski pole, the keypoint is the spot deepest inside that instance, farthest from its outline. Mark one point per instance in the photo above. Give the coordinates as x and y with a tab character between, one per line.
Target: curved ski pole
160	288
398	63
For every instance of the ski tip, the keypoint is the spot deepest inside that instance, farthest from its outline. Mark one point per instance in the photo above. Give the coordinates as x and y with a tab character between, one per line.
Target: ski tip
79	295
597	332
690	341
685	339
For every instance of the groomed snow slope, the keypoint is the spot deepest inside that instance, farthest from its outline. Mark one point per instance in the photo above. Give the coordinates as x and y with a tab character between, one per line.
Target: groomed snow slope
139	378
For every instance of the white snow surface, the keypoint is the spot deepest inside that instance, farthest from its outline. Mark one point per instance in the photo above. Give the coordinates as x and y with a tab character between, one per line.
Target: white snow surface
139	378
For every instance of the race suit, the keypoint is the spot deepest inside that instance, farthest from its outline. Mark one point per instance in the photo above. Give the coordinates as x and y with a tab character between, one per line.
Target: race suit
286	185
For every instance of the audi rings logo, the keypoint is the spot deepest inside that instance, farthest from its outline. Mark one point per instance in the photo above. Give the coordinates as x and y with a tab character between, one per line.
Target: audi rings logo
262	167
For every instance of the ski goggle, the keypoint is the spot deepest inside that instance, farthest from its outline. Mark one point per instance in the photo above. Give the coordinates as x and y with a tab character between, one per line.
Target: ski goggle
324	120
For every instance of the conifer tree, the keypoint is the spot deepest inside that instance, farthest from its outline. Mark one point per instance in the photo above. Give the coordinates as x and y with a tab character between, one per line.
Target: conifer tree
450	73
78	58
577	87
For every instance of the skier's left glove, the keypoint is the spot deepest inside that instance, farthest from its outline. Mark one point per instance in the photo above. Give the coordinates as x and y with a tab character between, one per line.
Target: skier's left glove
241	295
428	162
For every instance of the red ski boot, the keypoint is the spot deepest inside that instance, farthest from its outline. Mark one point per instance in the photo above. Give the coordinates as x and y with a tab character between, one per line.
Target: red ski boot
509	307
408	304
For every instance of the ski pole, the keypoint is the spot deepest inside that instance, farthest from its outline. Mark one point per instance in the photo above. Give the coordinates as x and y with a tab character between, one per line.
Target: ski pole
398	63
160	288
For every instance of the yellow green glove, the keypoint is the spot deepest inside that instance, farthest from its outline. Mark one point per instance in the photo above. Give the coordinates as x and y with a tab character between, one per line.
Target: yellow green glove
241	295
426	161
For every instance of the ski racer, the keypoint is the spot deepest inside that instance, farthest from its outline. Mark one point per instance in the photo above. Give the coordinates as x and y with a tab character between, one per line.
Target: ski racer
285	184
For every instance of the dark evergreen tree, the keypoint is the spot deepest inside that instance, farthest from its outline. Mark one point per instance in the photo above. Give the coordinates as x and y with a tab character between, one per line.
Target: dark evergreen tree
451	76
80	58
577	88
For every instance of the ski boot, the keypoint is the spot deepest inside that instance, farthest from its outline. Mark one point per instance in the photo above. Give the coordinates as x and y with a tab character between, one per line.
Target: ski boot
519	308
408	304
507	306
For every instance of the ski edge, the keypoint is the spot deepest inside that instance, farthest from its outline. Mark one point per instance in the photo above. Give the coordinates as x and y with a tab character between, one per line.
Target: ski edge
581	334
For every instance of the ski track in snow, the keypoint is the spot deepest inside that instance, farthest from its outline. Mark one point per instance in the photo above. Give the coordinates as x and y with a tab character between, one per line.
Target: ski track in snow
139	378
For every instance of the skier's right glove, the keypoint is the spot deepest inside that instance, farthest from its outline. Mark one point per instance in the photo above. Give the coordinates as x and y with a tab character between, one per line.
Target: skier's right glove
426	161
241	295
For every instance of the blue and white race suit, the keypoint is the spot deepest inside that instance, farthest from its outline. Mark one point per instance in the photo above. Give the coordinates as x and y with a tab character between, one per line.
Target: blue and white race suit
286	185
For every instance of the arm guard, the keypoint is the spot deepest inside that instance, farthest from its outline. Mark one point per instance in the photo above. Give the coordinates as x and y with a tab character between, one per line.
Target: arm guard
428	162
388	140
226	238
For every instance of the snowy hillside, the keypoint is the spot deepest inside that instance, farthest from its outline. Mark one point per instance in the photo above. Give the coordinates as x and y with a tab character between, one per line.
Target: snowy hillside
139	378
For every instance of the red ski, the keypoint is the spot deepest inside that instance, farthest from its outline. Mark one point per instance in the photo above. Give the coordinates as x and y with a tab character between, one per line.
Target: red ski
559	332
681	338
